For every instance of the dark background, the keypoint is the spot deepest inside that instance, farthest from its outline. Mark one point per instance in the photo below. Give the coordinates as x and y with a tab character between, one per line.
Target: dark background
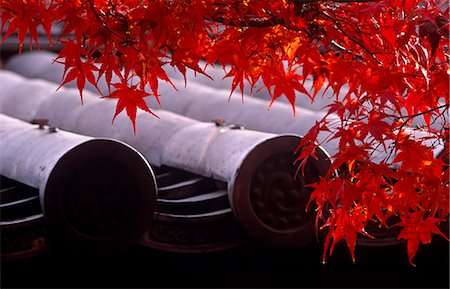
250	265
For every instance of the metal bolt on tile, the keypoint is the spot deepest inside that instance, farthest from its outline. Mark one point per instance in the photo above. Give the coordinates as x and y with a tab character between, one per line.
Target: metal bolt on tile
41	122
219	121
52	129
236	126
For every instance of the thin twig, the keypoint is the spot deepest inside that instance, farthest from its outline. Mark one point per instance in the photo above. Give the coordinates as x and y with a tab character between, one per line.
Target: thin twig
270	22
350	37
97	16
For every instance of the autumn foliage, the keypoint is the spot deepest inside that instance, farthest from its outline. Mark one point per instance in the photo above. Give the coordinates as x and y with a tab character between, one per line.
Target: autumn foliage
392	55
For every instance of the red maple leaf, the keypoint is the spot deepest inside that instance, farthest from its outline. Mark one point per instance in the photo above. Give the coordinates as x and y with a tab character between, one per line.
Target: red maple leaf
25	17
417	229
129	98
285	82
77	67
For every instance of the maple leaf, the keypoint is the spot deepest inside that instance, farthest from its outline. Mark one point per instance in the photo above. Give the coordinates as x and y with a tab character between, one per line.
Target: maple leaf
129	98
110	63
318	82
377	127
418	229
412	154
238	79
77	68
430	30
345	223
82	71
285	83
25	17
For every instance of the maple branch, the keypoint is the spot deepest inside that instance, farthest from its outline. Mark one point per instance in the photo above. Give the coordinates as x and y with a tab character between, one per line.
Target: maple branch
270	22
410	117
407	118
351	37
100	20
337	1
355	1
273	20
439	115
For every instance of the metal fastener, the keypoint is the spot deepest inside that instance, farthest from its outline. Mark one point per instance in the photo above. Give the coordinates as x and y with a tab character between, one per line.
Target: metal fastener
219	121
236	126
52	129
41	122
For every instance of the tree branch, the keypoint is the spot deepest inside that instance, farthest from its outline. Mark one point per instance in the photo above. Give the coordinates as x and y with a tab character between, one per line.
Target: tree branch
351	38
273	20
337	1
100	20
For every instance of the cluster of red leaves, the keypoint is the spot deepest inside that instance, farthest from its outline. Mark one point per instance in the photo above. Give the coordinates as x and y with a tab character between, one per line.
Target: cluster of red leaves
391	54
